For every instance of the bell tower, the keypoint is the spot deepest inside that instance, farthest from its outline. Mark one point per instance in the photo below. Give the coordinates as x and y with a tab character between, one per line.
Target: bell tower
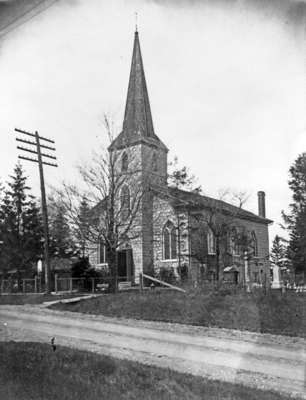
143	158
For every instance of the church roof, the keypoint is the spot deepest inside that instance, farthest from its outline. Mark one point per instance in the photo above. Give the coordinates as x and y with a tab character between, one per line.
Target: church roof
137	123
195	201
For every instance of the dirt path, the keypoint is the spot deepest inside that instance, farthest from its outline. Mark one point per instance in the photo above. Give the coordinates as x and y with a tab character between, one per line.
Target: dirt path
264	361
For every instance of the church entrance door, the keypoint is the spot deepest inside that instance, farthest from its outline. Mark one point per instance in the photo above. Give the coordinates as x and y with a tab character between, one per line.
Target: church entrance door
125	265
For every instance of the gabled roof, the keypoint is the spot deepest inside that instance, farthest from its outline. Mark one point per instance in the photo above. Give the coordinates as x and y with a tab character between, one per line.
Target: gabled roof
138	123
195	201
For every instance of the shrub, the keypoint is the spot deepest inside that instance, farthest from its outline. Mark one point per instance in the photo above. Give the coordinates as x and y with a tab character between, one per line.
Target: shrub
167	275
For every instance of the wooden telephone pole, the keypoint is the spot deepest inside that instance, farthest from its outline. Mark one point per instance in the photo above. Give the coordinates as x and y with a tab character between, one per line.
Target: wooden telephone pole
41	161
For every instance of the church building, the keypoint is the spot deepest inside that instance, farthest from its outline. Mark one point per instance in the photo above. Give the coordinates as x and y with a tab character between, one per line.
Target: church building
179	232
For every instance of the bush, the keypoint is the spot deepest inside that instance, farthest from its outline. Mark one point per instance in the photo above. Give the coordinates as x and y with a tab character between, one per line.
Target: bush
83	269
167	275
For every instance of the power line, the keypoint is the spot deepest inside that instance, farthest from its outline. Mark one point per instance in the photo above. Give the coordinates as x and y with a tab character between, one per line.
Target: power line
41	162
6	29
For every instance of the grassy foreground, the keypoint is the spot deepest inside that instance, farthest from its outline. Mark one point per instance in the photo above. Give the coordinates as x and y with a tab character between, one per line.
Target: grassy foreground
257	312
33	371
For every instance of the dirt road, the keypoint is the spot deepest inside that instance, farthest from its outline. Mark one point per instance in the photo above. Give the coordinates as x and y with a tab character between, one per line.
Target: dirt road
264	361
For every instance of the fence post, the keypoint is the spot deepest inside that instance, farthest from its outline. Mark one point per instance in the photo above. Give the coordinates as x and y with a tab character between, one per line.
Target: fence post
93	285
70	285
23	286
35	283
140	281
55	283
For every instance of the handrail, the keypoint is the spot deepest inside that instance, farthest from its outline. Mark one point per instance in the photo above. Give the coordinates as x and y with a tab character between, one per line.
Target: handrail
163	283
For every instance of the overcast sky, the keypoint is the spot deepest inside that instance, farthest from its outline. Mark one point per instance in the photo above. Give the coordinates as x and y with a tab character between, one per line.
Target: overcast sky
226	82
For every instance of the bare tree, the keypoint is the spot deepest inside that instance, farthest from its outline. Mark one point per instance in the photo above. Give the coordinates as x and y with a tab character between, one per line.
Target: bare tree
113	196
240	198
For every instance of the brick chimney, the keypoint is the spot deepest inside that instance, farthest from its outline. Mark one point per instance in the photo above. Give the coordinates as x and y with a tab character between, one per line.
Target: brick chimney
261	204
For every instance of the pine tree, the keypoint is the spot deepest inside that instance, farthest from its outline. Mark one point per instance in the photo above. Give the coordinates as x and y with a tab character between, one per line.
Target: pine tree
296	219
82	229
20	226
297	243
279	252
61	242
181	178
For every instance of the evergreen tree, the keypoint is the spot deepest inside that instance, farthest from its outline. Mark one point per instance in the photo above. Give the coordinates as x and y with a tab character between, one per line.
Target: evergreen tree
296	219
20	226
61	242
279	252
181	178
82	227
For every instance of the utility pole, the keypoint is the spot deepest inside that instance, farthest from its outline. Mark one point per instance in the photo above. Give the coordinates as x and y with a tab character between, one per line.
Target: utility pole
41	161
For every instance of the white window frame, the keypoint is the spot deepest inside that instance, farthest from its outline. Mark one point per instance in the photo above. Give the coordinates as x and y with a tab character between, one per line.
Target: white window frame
211	242
169	226
99	254
233	247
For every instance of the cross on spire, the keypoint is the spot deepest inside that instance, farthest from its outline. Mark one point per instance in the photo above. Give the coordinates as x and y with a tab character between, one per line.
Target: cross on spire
136	22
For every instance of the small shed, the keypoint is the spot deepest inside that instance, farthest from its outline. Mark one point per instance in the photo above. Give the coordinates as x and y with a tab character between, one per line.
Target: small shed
231	274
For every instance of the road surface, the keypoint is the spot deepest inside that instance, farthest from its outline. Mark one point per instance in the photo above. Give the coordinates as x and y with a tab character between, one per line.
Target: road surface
263	361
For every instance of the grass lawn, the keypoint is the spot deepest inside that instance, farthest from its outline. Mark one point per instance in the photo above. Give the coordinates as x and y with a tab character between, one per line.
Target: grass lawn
19	299
257	312
33	371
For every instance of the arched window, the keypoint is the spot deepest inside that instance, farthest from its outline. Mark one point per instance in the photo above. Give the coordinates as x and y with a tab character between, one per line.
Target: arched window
173	244
233	242
169	242
254	245
166	242
211	242
154	162
124	162
125	202
101	253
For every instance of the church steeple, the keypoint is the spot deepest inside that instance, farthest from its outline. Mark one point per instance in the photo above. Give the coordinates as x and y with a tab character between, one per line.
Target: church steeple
137	116
137	123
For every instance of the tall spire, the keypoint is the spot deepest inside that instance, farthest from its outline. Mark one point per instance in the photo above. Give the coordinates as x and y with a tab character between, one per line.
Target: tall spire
137	123
137	118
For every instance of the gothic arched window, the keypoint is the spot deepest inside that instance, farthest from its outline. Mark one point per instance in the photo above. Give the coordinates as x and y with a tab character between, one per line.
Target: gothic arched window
124	162
169	242
254	244
233	242
101	253
125	202
154	162
211	242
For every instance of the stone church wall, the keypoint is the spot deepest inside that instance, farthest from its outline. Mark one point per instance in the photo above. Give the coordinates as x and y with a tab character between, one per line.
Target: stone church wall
162	213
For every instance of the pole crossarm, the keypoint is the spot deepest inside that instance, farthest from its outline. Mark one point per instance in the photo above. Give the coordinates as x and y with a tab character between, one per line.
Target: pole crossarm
41	162
34	144
35	152
50	164
33	134
34	160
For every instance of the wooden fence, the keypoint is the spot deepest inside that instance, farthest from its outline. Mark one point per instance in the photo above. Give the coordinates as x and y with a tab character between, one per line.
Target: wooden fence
34	285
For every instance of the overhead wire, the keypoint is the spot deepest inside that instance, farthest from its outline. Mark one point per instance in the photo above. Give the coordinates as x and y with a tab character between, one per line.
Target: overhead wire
5	30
